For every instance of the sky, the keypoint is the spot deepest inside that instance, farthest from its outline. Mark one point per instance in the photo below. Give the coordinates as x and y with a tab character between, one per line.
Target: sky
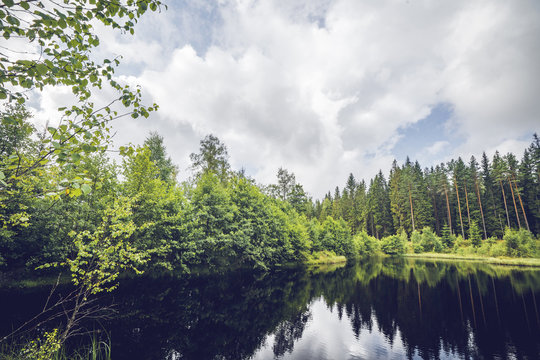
325	88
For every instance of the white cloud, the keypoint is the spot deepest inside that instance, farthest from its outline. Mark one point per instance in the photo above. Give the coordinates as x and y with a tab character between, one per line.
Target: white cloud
437	147
323	88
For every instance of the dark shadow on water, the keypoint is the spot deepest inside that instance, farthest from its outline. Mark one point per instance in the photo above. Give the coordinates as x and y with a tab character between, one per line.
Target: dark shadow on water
430	309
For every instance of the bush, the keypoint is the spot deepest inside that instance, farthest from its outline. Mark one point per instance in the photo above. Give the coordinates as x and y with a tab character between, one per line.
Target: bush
498	249
366	245
416	240
394	244
335	235
520	243
460	242
430	241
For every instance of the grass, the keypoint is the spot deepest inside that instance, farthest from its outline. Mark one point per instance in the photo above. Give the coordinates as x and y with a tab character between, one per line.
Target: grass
325	257
486	259
95	350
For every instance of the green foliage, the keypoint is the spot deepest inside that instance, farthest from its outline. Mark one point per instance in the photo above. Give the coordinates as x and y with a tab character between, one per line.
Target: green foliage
416	240
394	244
212	157
474	234
336	236
65	36
447	238
100	255
158	155
497	248
520	243
366	245
43	348
461	243
430	241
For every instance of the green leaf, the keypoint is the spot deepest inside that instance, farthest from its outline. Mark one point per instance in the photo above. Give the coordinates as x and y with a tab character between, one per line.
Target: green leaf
13	20
86	188
42	68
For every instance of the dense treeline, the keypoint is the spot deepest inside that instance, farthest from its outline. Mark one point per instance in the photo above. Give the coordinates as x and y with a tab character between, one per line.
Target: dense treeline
218	218
221	217
452	201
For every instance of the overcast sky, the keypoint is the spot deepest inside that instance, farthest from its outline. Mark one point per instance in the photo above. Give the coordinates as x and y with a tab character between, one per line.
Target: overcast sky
326	88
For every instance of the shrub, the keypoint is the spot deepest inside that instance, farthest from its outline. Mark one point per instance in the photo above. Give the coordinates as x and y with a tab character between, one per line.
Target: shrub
430	241
366	245
416	240
335	235
460	242
394	244
498	249
520	243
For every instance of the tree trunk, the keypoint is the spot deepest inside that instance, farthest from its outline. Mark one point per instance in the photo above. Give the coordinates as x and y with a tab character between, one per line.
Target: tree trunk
448	210
459	208
437	227
467	203
522	208
514	200
412	214
505	207
481	210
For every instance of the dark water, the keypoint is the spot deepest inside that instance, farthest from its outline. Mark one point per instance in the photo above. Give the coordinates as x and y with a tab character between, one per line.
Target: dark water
371	310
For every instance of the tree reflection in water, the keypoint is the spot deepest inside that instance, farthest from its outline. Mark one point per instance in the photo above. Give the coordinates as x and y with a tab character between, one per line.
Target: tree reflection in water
421	308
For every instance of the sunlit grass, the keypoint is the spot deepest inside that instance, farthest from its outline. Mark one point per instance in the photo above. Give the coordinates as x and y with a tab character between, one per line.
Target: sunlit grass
96	350
486	259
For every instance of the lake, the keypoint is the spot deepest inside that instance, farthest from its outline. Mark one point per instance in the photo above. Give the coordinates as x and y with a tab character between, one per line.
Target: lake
377	309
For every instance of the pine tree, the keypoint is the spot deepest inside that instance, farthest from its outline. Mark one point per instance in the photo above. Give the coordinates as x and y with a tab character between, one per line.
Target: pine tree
379	204
446	236
494	222
528	190
510	175
499	170
473	168
474	234
457	168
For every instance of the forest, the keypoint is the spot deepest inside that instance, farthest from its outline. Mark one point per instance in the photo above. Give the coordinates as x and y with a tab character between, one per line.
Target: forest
69	200
222	218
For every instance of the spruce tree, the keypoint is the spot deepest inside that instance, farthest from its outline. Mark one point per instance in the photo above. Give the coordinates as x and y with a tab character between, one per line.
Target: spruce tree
474	234
446	236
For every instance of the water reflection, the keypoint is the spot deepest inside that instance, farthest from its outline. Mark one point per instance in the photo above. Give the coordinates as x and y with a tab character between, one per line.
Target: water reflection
394	308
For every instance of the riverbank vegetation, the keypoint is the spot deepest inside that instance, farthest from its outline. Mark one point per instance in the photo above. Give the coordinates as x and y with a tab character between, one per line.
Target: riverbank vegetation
223	218
219	218
65	203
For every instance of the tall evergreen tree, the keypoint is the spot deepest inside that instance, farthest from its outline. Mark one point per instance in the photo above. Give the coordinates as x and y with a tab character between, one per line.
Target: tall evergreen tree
510	175
477	211
528	190
379	204
499	171
494	213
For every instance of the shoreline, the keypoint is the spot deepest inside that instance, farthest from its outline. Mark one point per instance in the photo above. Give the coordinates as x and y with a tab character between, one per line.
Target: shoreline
488	260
